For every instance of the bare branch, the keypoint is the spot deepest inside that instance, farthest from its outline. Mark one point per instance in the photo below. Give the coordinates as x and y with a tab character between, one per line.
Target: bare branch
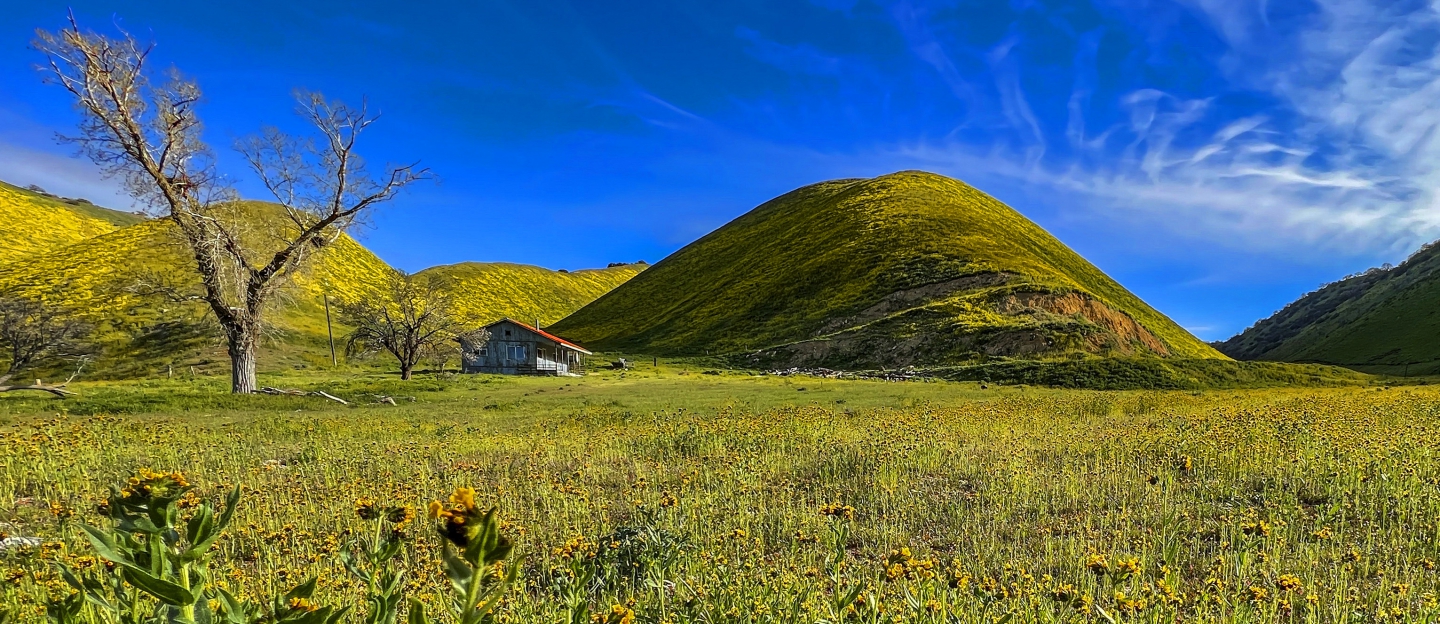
32	332
410	318
149	134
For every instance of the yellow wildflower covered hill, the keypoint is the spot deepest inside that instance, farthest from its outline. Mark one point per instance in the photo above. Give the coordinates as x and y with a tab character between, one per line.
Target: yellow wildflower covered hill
488	291
32	223
905	269
110	278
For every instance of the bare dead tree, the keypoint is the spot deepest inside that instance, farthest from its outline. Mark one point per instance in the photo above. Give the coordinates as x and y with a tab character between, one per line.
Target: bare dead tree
149	135
32	332
438	356
410	318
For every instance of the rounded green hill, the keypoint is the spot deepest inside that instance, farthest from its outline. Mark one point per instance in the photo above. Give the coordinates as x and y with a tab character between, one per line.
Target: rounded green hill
905	269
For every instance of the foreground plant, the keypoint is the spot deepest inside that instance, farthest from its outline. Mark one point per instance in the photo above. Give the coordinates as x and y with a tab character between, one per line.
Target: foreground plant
159	568
375	563
473	554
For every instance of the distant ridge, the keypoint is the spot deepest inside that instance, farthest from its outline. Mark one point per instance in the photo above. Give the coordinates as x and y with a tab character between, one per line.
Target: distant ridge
905	269
485	292
1385	320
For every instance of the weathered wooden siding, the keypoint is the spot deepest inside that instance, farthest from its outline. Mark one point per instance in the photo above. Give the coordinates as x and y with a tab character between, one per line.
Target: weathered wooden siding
515	350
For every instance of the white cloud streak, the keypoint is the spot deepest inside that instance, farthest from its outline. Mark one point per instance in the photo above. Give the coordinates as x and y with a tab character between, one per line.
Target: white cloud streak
1350	167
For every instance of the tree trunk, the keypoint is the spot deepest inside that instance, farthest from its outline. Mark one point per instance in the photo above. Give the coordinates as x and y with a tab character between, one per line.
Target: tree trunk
405	372
242	362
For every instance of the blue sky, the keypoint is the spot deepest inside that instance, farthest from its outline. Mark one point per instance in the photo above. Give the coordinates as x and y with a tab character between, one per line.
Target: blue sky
1218	158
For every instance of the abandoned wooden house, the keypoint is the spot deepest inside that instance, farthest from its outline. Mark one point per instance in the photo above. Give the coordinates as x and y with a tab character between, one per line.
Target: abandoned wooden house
509	347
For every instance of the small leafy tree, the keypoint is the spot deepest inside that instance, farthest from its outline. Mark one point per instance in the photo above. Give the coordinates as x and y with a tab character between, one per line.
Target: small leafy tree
410	317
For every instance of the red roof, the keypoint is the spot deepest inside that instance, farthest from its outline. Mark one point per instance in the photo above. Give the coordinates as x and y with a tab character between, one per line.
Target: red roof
544	333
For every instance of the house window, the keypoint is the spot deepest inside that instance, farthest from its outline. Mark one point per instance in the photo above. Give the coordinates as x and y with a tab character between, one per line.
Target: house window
484	351
516	353
507	332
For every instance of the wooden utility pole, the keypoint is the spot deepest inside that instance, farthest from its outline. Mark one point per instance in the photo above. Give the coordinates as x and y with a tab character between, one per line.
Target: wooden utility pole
329	331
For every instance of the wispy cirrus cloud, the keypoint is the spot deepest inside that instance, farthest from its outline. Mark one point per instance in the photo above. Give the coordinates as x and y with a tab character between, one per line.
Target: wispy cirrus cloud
1334	149
801	58
1346	158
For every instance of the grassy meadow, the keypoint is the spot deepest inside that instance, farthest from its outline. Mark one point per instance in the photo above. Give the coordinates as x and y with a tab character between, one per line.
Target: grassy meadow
687	495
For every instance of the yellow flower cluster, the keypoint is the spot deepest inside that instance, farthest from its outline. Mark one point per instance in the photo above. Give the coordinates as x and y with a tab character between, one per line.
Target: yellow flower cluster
150	483
577	548
366	509
462	500
618	614
1258	528
1289	582
838	511
1128	566
1097	564
901	564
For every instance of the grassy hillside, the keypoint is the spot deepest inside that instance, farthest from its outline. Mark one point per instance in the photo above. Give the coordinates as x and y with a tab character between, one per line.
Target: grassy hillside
489	291
908	268
1381	321
32	223
147	335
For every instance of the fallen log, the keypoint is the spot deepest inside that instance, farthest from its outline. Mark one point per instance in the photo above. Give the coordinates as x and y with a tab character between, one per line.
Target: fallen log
58	391
39	386
332	397
292	392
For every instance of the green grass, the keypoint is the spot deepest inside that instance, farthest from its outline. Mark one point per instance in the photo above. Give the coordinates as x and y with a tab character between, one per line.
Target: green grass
1033	505
1381	321
1129	373
845	273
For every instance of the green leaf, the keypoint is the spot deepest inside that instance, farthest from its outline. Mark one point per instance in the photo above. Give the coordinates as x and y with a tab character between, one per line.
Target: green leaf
1108	618
304	590
90	589
203	614
70	579
392	585
200	526
457	569
231	503
348	560
163	590
106	547
851	597
388	550
417	613
235	611
323	615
